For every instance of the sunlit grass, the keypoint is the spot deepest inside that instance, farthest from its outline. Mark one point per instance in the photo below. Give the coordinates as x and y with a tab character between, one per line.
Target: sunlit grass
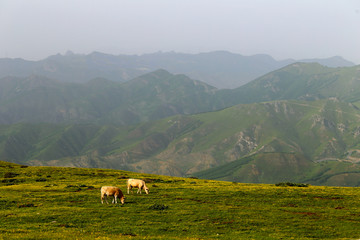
64	203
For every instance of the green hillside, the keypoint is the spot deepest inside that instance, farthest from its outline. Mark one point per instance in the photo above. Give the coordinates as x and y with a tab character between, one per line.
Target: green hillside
306	81
64	203
300	140
284	167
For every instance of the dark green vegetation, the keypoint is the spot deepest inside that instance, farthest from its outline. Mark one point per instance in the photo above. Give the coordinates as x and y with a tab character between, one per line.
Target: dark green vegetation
64	203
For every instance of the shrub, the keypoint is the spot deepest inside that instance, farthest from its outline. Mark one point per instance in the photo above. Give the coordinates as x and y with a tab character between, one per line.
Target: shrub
157	206
289	184
26	205
10	175
41	180
12	181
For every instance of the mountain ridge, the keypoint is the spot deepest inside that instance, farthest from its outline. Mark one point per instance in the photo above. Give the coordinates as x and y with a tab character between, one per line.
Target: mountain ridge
161	94
40	99
221	69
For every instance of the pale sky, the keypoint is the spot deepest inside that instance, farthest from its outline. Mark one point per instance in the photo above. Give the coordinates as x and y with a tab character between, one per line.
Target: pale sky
35	29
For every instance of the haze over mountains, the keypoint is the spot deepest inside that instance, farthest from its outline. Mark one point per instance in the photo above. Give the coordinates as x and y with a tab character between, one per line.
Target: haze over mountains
219	69
300	122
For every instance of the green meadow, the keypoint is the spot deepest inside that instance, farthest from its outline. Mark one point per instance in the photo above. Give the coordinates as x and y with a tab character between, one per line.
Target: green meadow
64	203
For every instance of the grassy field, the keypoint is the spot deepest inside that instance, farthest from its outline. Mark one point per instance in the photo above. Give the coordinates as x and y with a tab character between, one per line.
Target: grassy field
64	203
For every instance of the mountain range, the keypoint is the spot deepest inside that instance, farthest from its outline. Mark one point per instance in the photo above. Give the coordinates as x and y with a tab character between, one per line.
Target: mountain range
314	142
152	96
220	69
161	94
298	123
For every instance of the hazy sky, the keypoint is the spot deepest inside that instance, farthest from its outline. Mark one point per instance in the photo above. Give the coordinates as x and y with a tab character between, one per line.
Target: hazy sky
35	29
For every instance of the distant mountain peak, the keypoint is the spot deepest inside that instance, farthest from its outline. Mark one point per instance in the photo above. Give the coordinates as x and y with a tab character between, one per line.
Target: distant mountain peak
335	61
69	53
161	72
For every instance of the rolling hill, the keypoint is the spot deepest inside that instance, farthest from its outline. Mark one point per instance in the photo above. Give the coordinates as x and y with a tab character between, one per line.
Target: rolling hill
303	81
